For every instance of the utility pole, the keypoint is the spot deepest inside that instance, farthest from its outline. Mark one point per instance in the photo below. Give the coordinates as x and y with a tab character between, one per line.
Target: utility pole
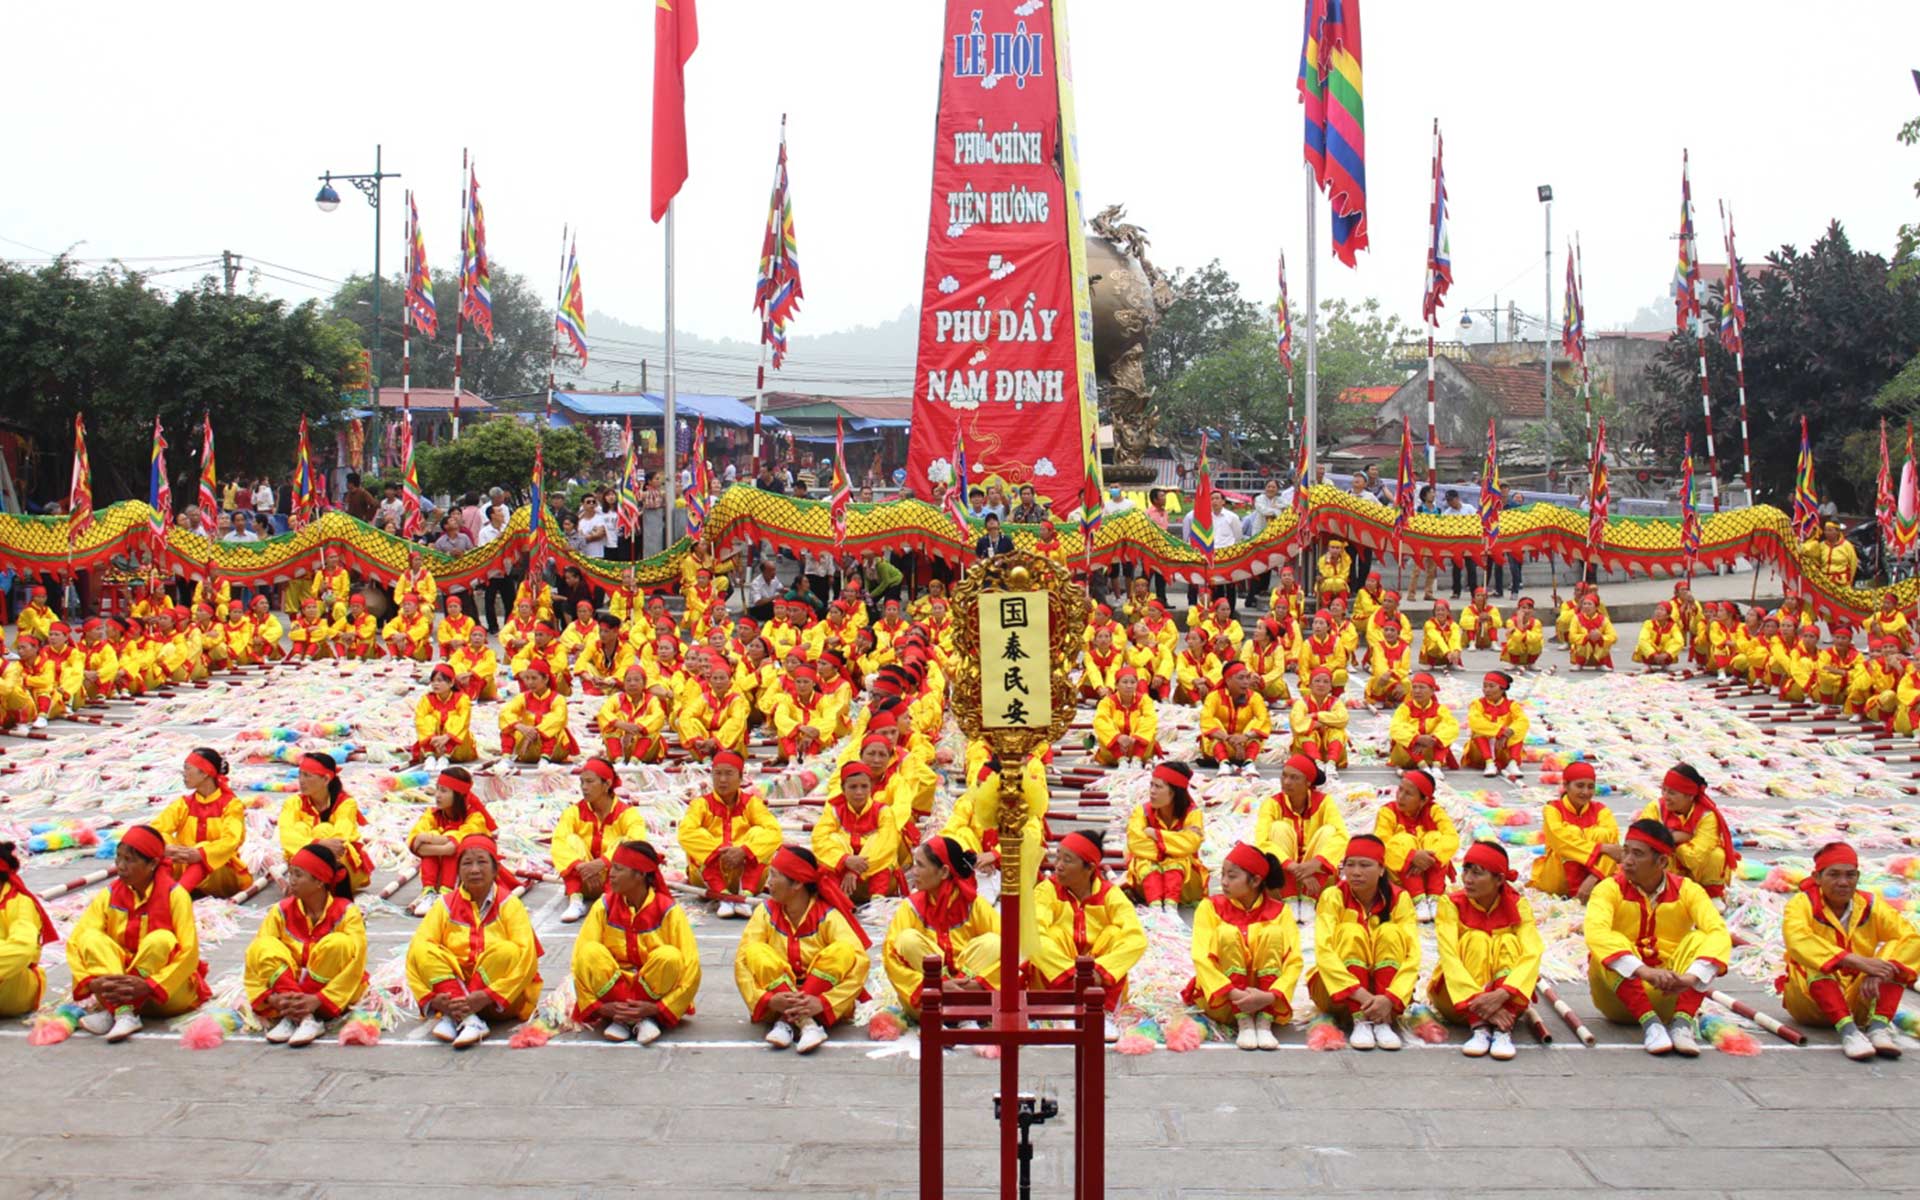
230	267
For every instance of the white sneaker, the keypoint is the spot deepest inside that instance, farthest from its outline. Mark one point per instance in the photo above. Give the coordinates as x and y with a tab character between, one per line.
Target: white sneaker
40	722
576	908
1491	771
424	905
1362	1038
1478	1044
473	1031
1513	771
616	1031
646	1032
1503	1046
1723	677
1247	1038
307	1032
1263	1031
1685	1042
281	1032
125	1025
780	1036
1111	1031
445	1030
1655	1040
98	1022
1856	1046
813	1035
1385	1037
1880	1036
1424	909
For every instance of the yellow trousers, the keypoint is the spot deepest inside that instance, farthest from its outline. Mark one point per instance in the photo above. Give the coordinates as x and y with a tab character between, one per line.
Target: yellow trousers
1859	990
93	952
20	994
439	963
978	959
768	968
596	971
1602	982
1363	953
1056	955
267	961
1486	959
1260	961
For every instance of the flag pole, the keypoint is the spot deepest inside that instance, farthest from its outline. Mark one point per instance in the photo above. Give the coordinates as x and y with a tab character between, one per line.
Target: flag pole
670	436
1308	582
406	336
1739	356
460	292
1433	473
1700	329
1586	369
553	336
760	376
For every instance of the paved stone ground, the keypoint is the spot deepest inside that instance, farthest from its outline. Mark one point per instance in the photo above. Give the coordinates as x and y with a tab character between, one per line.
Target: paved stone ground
711	1112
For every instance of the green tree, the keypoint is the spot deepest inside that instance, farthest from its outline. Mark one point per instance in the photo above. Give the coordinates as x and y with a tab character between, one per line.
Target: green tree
513	363
1825	336
1208	315
1906	255
499	453
108	345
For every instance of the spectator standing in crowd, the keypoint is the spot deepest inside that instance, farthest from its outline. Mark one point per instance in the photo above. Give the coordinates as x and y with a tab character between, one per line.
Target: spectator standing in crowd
993	541
1029	511
595	527
453	540
241	528
1455	507
502	587
391	506
359	502
1267	507
994	503
880	580
1425	573
821	572
263	496
1515	503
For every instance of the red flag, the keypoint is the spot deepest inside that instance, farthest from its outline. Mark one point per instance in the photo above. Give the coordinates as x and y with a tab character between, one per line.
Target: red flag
842	492
676	35
1598	494
80	496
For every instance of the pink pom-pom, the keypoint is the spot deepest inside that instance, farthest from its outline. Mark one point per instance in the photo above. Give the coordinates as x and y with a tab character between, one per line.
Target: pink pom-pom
809	780
87	836
1738	1042
1777	881
1184	1035
885	1027
202	1033
987	1051
943	756
1133	1043
1430	1031
49	1031
529	1036
360	1033
1326	1036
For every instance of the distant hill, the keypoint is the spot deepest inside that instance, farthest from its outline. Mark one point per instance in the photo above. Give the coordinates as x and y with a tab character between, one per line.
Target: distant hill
869	360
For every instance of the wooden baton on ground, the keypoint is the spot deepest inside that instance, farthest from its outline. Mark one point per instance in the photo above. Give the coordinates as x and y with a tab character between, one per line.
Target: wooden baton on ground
399	881
1579	1027
1779	1029
74	885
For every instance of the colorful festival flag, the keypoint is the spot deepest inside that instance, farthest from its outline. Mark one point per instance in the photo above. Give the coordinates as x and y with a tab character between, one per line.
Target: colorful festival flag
777	292
630	485
419	282
159	488
1598	497
1283	320
1493	498
304	501
1886	503
1093	498
209	483
956	504
1686	272
841	492
1336	128
80	496
414	519
1733	303
697	503
1404	488
1573	327
1302	489
1806	502
1200	521
476	269
571	319
1440	239
676	34
1689	515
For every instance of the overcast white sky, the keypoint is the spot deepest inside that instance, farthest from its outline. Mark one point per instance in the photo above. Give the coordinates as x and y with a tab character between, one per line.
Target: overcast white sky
147	130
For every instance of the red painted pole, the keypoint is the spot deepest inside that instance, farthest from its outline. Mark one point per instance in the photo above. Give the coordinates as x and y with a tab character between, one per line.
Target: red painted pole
932	1101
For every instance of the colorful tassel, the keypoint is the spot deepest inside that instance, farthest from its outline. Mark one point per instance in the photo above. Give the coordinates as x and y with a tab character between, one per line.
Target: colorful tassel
1133	1043
1323	1033
209	1029
360	1031
530	1036
1423	1024
1727	1036
1184	1035
885	1026
55	1027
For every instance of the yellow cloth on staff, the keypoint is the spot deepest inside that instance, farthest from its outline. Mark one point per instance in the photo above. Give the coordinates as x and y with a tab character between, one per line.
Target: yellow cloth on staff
821	955
169	959
650	949
491	950
332	955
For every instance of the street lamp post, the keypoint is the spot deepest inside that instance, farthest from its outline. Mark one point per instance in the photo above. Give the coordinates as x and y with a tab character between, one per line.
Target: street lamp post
327	200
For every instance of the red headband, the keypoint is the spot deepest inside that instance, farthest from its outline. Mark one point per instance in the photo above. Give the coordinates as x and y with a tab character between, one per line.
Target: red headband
879	739
1248	859
311	764
794	867
601	770
442	670
854	770
144	842
314	865
1500	677
197	759
1421	781
730	758
1425	678
1172	778
1083	847
1647	839
1837	855
635	860
1368	847
1491	858
1577	771
1680	783
1304	765
800	870
455	784
477	841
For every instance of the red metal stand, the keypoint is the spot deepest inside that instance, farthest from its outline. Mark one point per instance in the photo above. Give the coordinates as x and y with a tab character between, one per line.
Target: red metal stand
1009	1026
